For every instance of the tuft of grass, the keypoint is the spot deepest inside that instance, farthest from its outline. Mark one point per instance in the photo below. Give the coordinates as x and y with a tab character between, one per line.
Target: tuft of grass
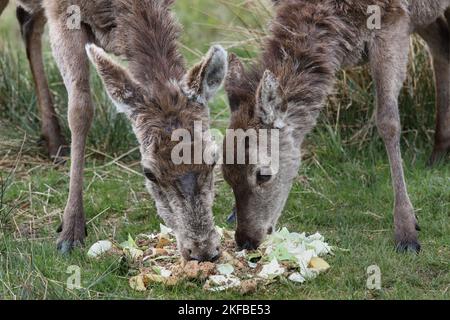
349	202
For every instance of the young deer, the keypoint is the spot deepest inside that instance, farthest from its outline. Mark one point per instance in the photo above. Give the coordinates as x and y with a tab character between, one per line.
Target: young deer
286	89
157	95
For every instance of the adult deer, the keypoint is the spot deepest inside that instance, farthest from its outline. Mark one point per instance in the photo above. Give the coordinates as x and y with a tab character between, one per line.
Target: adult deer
287	87
157	95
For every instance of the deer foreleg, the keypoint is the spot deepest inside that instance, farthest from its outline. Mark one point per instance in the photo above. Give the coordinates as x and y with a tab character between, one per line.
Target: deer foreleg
389	57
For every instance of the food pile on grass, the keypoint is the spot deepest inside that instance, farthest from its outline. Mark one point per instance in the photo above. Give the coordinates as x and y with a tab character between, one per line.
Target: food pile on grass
284	255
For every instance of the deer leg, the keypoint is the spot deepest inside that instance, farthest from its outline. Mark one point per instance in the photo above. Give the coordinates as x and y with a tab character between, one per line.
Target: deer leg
389	66
69	52
437	37
32	27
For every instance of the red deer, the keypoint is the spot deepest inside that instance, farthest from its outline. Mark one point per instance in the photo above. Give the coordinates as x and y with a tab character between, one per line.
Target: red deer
155	92
310	40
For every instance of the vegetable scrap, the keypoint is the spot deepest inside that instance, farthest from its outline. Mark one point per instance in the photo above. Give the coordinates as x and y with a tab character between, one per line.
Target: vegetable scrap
154	259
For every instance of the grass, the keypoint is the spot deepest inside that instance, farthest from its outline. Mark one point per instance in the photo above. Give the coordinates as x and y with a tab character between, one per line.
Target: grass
343	190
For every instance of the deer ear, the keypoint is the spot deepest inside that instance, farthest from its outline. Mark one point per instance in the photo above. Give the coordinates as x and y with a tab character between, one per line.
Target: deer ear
120	86
235	70
269	102
233	81
204	80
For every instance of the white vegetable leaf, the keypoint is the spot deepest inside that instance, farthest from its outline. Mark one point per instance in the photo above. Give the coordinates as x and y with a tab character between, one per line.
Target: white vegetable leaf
271	270
296	277
225	269
221	282
99	248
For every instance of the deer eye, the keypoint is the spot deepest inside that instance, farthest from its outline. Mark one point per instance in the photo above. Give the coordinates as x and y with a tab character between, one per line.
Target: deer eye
149	175
262	178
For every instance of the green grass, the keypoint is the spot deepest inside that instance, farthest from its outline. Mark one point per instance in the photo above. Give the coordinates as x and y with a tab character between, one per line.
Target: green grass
350	205
343	191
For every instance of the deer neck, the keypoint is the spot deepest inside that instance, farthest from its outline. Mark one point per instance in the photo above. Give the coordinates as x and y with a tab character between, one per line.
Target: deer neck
306	48
150	38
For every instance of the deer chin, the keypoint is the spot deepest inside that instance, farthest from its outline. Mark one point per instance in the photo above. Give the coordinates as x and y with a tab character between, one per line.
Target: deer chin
249	240
201	243
251	236
201	248
258	213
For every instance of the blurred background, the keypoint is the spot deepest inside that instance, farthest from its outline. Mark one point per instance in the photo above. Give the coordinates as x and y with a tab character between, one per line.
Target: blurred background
239	26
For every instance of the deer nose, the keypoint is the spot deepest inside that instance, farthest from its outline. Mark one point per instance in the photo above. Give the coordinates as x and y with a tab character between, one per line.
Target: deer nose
249	245
202	256
216	257
246	242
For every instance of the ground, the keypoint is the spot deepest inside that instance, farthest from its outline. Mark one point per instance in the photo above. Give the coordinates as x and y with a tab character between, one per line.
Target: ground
343	189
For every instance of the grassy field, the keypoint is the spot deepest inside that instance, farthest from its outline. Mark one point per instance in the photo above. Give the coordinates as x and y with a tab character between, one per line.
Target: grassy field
343	190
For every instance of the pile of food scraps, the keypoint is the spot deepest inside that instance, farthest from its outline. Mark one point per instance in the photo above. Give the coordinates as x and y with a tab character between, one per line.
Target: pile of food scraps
284	255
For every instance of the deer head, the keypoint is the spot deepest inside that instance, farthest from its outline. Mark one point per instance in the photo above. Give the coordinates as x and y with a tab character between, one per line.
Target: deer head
183	193
258	102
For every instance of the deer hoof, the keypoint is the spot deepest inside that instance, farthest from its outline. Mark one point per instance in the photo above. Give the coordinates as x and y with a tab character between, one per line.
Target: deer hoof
438	157
69	240
56	148
408	246
66	246
59	156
